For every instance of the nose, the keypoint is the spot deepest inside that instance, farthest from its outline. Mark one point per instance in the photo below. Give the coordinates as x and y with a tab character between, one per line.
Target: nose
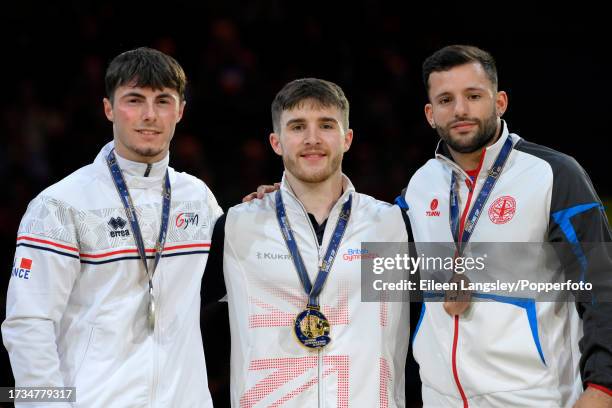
461	108
149	114
312	136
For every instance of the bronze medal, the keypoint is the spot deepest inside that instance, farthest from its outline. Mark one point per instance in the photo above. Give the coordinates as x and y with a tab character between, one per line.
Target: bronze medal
456	301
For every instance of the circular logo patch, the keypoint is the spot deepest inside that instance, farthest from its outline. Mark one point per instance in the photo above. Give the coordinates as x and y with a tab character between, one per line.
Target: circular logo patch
434	204
502	210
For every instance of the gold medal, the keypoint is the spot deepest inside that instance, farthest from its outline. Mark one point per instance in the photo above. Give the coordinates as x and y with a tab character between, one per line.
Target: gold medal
312	328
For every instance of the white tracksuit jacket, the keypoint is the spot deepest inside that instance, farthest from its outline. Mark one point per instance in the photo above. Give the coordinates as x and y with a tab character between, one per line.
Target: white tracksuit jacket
364	364
512	353
76	307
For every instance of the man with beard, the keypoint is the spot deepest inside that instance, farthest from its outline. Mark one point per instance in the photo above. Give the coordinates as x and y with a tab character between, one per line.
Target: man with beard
493	186
300	334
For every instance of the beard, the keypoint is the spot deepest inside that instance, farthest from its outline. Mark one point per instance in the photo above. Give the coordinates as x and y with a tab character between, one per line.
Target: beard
486	130
147	152
306	175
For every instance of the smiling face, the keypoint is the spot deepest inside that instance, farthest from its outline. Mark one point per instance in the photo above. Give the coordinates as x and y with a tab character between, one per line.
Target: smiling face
144	120
465	108
312	141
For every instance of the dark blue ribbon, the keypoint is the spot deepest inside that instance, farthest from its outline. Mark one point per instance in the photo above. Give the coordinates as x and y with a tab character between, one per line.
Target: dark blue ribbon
332	249
476	211
130	211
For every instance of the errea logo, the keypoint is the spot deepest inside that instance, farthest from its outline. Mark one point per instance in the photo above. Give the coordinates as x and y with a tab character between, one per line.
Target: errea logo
118	227
22	268
433	209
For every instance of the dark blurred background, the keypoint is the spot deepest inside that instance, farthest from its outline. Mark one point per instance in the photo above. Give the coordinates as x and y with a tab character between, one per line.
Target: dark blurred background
237	55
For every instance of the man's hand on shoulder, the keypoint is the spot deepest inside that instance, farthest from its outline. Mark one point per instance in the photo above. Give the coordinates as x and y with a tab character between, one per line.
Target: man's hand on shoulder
261	191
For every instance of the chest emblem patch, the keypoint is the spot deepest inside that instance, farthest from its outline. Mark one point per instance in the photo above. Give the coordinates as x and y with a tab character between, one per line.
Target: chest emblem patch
502	210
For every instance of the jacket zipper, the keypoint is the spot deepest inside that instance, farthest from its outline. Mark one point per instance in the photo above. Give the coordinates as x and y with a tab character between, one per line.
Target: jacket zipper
319	356
456	331
471	187
455	374
319	255
320	378
155	335
155	362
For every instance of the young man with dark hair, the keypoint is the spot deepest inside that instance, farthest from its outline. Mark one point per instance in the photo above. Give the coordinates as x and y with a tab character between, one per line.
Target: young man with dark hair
105	289
301	335
491	185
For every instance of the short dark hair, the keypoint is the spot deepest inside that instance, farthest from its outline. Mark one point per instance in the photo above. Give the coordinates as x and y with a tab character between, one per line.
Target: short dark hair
454	55
325	93
145	68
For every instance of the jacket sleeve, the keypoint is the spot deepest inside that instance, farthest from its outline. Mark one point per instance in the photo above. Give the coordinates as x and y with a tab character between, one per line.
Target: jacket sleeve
578	220
45	268
214	209
213	282
214	318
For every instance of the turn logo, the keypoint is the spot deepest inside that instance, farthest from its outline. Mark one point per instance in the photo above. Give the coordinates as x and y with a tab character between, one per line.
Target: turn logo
433	209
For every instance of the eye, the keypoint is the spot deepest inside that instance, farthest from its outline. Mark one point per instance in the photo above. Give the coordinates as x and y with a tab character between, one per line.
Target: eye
474	97
327	125
297	127
134	100
444	100
163	101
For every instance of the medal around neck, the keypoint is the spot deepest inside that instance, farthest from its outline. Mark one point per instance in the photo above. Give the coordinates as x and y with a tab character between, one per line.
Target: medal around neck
151	312
312	328
130	210
457	301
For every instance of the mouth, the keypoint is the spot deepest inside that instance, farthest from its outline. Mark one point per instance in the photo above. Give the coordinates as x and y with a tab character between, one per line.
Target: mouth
313	156
148	132
462	126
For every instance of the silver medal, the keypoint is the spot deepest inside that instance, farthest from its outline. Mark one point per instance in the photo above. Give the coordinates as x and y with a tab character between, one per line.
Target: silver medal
151	311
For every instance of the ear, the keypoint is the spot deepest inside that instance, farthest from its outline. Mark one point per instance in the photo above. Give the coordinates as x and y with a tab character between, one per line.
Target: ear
348	140
429	115
108	109
501	103
276	144
181	110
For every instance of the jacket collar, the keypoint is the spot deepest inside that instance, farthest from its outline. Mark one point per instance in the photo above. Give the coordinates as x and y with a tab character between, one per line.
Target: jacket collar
134	172
488	159
347	189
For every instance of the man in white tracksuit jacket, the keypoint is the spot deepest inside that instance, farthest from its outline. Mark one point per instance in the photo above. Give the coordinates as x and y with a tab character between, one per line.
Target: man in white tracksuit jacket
363	365
78	298
510	351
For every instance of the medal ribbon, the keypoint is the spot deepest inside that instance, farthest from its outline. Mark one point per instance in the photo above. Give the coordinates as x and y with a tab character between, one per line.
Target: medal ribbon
332	249
130	211
476	211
